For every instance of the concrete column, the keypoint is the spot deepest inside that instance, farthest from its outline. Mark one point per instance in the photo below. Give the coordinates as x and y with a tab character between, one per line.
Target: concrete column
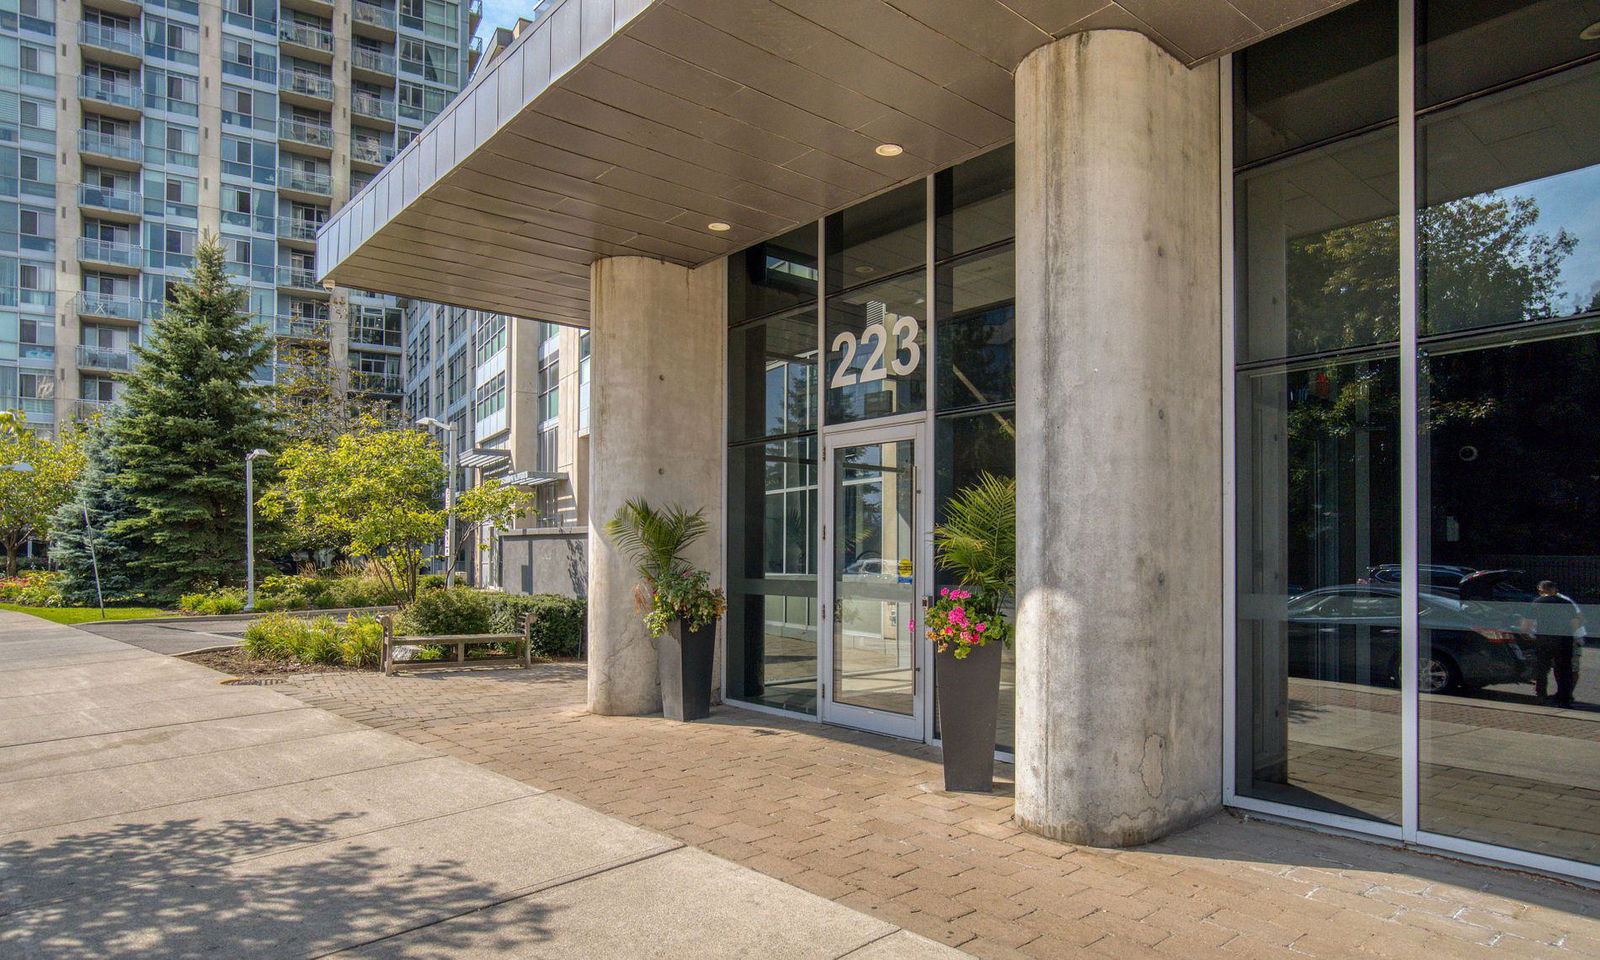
656	409
1119	650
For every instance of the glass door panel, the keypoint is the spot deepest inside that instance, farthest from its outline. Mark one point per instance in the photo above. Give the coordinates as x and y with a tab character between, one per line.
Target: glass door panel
874	676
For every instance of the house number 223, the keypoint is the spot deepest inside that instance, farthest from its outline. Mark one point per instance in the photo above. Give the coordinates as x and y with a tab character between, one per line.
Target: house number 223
901	358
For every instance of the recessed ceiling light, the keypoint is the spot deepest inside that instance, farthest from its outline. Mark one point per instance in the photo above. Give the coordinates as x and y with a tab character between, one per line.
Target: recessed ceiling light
719	226
1591	32
863	269
890	150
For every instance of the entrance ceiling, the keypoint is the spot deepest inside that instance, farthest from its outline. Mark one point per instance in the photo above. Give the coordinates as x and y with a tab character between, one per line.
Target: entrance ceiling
627	127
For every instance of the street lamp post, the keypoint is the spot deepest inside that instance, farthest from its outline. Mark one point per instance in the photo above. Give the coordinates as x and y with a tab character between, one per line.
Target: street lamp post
250	527
449	497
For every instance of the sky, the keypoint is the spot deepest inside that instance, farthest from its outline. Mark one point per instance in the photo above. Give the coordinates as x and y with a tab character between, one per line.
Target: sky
502	13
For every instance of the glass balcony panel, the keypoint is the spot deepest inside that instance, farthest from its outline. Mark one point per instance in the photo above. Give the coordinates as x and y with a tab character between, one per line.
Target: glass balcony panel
105	198
108	91
108	251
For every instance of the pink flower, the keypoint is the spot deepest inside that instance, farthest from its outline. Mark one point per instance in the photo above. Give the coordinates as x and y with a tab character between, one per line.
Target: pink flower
945	592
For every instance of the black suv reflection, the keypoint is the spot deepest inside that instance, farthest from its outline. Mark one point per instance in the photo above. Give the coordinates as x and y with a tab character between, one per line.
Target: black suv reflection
1351	634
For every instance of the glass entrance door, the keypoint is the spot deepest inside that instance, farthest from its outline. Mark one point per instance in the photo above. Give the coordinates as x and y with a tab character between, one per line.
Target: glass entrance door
872	540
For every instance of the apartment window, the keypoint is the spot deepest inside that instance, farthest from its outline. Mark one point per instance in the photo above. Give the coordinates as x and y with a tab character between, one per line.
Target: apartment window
36	276
170	40
36	386
548	384
178	241
492	397
491	338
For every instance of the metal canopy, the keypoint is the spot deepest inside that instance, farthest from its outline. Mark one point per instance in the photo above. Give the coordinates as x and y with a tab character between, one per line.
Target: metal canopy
627	127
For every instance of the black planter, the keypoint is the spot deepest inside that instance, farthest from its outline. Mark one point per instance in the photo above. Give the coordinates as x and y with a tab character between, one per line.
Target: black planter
969	695
684	657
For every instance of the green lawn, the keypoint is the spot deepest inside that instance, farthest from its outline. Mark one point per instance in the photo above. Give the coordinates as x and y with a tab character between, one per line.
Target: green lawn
70	615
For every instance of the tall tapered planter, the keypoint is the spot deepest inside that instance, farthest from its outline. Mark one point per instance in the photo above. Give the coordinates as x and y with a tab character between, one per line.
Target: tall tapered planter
969	696
684	656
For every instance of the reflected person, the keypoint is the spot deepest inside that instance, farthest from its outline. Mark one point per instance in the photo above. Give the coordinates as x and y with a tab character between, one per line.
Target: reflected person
1555	621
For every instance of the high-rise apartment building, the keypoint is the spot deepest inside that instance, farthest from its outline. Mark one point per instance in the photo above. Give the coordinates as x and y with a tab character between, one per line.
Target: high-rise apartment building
129	129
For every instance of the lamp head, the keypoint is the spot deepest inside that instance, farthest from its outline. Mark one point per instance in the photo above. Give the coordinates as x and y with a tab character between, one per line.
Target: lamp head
434	423
257	452
18	467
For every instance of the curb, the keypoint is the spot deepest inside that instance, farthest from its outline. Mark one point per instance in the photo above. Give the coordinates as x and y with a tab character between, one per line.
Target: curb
238	617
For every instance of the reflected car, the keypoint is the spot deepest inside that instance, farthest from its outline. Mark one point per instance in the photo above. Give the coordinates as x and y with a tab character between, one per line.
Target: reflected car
1351	634
1465	583
871	567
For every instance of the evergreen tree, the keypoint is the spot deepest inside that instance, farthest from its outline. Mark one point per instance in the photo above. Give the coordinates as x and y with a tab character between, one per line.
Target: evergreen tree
191	412
106	504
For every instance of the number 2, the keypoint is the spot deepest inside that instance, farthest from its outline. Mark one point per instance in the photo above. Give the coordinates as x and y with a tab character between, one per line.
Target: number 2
905	335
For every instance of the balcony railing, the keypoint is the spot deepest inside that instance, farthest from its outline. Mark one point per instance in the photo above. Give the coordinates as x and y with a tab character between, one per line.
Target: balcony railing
38	409
316	134
306	35
376	382
294	228
83	409
107	198
372	107
475	12
319	183
377	153
108	251
108	91
109	145
303	328
371	60
105	358
115	306
372	14
298	278
306	84
107	37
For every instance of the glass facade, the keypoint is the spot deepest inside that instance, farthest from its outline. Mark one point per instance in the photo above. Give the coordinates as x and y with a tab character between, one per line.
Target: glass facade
943	370
1437	694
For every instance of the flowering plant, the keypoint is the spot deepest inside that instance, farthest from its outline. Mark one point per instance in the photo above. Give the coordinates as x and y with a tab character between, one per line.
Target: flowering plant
977	542
959	621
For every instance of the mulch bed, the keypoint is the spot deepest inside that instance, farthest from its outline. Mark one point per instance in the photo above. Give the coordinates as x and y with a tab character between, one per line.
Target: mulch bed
237	663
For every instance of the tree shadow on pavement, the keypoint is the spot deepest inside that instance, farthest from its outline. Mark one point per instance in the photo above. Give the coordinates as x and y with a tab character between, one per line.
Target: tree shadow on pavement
236	889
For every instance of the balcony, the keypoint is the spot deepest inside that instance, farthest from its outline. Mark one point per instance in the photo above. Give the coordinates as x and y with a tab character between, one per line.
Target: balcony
475	14
299	278
110	145
106	198
301	131
302	328
384	383
372	15
84	409
307	36
372	61
294	228
103	37
105	358
112	92
38	409
305	84
304	182
377	154
117	253
110	306
368	106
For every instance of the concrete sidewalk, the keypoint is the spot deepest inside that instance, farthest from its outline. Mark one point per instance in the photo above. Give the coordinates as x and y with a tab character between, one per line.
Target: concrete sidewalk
148	811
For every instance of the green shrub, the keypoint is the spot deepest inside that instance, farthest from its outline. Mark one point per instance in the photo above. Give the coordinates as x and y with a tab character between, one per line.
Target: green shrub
40	594
212	603
355	642
430	581
457	610
557	622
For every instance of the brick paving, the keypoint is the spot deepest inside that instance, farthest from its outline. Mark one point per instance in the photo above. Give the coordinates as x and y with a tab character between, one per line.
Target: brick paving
862	820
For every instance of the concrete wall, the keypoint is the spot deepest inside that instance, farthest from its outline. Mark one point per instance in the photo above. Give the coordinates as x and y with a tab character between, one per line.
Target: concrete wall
544	563
1119	441
657	410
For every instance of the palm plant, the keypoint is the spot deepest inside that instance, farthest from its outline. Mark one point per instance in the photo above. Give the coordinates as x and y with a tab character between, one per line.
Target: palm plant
655	541
978	540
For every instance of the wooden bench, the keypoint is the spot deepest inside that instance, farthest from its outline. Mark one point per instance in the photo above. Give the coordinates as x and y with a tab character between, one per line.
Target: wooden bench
460	642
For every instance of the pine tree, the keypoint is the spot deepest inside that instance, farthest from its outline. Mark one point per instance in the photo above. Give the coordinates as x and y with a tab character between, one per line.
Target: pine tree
106	504
191	413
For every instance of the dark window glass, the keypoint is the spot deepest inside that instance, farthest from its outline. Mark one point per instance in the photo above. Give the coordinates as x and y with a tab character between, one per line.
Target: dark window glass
1510	461
1465	46
878	238
772	574
775	275
1318	255
1318	626
1510	222
966	446
977	330
877	349
1332	76
772	375
976	203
